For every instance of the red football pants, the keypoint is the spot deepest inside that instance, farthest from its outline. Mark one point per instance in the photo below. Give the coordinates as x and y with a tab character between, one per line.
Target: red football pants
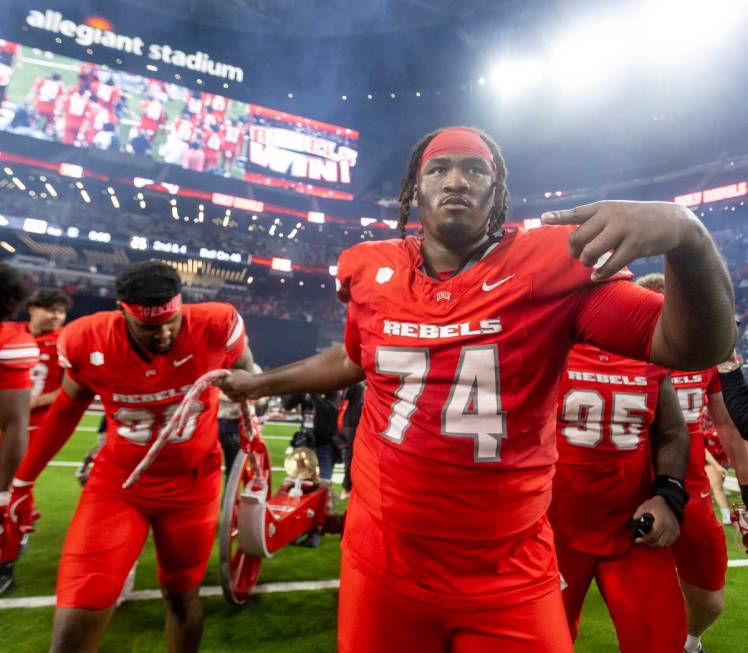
640	588
700	551
108	532
374	619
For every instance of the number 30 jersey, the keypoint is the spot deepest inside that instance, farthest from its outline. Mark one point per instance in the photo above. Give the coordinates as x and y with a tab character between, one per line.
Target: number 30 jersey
606	405
140	393
457	436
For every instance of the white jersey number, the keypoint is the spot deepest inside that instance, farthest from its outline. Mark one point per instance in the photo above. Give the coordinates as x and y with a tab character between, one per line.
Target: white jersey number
473	409
136	424
583	411
691	403
39	374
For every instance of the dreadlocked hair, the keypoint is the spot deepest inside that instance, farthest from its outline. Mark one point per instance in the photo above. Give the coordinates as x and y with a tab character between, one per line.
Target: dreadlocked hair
149	283
12	291
410	178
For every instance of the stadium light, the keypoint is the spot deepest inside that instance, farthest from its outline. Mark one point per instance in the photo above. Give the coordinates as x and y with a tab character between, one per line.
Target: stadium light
513	77
3	221
365	222
333	270
73	232
669	29
316	216
8	246
34	226
587	54
18	183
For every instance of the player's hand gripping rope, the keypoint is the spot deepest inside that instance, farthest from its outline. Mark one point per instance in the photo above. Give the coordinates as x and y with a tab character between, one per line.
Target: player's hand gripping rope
191	406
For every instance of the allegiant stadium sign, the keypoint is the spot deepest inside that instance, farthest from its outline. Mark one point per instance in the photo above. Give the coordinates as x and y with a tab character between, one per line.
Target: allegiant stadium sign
98	31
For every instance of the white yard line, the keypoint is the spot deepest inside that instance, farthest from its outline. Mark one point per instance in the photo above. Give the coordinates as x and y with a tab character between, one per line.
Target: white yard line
337	475
213	590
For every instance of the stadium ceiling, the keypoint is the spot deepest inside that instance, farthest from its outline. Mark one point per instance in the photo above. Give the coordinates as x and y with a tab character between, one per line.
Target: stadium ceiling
326	18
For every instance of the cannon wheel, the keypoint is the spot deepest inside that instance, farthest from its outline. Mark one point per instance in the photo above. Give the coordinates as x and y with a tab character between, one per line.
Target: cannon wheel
239	572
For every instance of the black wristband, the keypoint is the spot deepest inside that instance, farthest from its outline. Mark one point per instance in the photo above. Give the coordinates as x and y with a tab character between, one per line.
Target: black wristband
744	493
673	491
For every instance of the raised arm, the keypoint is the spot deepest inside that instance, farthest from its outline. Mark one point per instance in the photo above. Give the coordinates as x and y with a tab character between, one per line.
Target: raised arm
331	369
696	329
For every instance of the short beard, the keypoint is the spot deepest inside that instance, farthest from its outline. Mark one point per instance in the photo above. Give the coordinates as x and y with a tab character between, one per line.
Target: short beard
456	234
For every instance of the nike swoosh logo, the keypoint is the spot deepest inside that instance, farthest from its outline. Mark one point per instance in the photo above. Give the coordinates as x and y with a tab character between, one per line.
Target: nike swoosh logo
704	495
184	360
489	287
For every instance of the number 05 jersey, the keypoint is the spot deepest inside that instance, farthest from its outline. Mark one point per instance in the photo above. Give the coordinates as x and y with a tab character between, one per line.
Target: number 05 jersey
140	394
457	436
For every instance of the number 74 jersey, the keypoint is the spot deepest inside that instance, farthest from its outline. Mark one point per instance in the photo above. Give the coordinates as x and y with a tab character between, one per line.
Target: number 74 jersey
459	414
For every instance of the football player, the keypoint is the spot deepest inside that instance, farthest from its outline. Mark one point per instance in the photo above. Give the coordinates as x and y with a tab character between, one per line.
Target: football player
18	354
462	335
48	309
141	359
701	552
615	417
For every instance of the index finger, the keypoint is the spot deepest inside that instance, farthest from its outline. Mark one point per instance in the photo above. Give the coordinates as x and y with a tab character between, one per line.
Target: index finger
577	215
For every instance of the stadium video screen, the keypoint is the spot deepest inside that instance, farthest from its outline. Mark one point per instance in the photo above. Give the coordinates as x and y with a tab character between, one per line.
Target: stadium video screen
58	99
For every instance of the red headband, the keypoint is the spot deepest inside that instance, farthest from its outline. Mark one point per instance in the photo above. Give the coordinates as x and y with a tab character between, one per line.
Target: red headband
154	314
458	140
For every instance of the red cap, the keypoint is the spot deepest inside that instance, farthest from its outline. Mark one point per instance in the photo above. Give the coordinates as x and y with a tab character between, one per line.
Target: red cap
154	314
458	140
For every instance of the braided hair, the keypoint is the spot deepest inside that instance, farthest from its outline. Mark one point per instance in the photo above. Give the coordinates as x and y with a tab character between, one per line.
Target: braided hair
410	178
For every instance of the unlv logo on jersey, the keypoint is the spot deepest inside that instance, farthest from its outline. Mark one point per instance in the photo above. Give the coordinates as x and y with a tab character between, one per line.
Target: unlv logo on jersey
443	296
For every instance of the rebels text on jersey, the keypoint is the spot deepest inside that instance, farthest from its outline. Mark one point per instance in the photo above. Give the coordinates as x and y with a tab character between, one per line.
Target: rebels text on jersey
46	375
606	405
693	389
457	435
18	354
140	395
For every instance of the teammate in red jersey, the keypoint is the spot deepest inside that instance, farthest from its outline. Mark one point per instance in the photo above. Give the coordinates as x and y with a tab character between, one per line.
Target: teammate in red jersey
74	112
614	416
232	142
141	360
701	553
462	336
18	354
46	93
48	309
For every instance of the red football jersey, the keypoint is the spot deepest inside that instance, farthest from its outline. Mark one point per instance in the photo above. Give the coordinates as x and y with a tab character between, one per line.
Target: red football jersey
18	354
693	390
606	404
46	375
457	436
140	394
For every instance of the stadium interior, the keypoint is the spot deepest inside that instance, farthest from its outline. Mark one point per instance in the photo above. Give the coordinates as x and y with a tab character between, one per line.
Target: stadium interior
246	143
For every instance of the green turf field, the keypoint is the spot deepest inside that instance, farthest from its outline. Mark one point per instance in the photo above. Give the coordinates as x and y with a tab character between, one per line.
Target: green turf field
286	622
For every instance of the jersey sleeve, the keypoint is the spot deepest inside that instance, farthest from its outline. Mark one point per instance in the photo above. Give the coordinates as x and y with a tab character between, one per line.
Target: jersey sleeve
18	354
235	338
618	316
68	351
